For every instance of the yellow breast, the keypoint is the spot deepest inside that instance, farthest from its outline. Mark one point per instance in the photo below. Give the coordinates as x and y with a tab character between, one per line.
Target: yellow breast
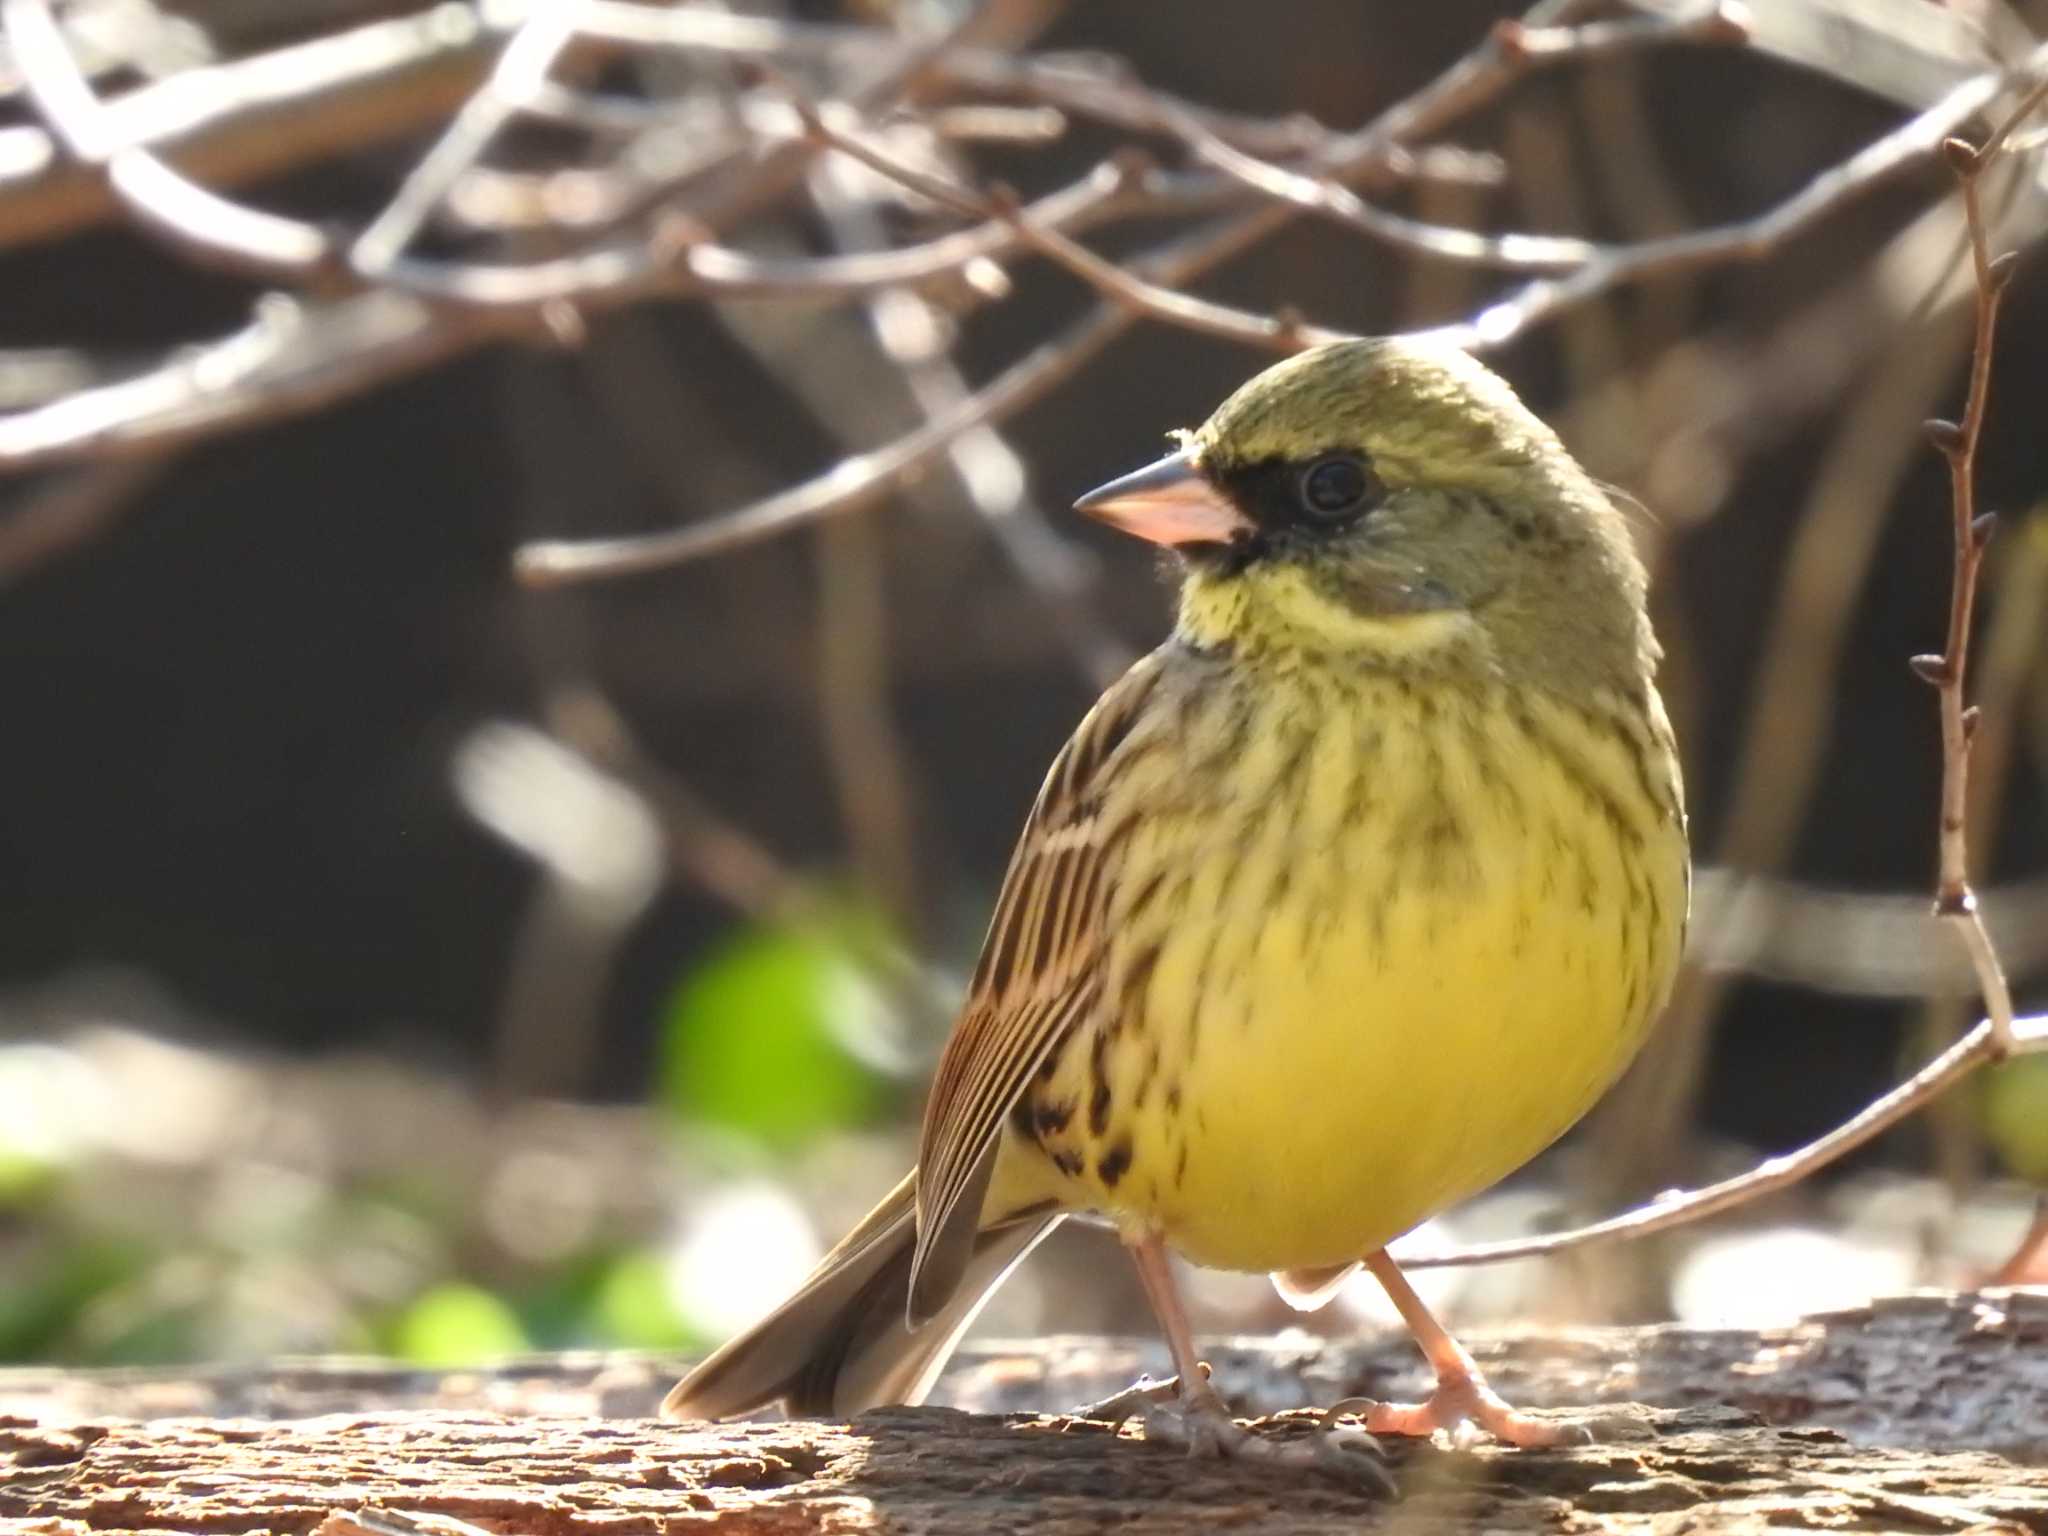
1376	945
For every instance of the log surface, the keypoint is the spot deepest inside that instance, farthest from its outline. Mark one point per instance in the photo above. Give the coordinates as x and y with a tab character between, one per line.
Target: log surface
1919	1414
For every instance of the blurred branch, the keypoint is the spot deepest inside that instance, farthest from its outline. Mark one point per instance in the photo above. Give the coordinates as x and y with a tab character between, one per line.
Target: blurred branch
294	355
1147	285
723	860
1749	239
236	121
162	199
335	346
916	335
1718	22
1855	943
56	517
1155	301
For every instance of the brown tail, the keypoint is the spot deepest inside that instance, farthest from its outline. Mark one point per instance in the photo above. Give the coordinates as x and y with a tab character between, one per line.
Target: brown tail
842	1343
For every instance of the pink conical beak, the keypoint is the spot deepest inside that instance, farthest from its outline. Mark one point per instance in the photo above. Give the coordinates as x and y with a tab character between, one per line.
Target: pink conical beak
1169	502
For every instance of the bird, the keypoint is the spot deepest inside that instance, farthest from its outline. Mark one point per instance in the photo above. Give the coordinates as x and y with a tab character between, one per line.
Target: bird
1336	908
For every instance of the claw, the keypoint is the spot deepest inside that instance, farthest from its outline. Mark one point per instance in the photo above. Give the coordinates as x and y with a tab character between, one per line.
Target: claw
1200	1425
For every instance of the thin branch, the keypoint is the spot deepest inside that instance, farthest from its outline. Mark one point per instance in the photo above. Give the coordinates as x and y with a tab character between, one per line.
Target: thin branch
1095	86
1957	442
250	117
1331	199
858	481
293	356
1746	240
916	335
1682	1207
521	71
164	201
853	483
1154	300
55	518
1717	22
158	404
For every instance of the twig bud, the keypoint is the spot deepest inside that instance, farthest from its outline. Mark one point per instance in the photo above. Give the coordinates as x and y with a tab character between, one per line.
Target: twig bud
1731	23
1982	527
563	322
1946	436
1971	717
1132	163
1004	200
986	279
1930	669
2002	267
1961	156
1511	37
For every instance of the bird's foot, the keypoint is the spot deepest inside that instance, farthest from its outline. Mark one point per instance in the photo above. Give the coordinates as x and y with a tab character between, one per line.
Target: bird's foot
1464	1404
1199	1423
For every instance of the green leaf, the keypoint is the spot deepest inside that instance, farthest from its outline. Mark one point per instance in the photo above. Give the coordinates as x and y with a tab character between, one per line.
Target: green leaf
456	1324
2016	1115
759	1039
42	1301
636	1309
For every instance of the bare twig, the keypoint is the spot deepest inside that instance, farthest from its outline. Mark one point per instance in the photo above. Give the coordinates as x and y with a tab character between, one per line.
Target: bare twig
1805	635
291	357
244	118
56	517
915	334
521	72
1155	300
617	271
1957	442
1681	1208
164	200
1749	239
1717	22
855	483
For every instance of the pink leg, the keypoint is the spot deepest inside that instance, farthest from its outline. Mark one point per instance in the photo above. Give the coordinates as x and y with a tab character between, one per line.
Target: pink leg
1461	1395
1156	1275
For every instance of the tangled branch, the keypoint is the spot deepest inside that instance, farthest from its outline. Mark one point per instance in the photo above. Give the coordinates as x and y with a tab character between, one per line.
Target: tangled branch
674	184
643	220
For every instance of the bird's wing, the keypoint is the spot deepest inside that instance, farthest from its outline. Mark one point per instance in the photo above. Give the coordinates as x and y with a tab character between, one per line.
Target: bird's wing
1040	971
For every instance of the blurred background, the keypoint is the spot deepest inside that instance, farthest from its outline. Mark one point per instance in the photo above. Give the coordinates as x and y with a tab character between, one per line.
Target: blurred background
398	956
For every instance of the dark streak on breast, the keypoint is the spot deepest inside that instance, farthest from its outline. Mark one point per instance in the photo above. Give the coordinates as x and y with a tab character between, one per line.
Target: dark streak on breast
1098	1079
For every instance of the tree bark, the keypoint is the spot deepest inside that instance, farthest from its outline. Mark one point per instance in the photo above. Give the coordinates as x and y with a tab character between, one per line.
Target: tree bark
1923	1413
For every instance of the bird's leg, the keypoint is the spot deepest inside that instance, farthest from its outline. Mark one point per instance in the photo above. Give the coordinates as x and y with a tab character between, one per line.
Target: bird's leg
1198	1401
1199	1421
1462	1395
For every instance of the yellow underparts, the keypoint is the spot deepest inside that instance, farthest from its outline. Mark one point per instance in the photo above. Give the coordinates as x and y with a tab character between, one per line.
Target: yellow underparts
1377	941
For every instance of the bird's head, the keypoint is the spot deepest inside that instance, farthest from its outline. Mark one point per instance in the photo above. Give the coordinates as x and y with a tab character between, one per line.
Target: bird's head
1392	499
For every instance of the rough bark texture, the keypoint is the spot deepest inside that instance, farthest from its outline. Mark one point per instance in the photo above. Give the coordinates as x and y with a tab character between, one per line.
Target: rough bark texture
1919	1414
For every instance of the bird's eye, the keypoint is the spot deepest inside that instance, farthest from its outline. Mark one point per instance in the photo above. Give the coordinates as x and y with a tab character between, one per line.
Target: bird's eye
1334	488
